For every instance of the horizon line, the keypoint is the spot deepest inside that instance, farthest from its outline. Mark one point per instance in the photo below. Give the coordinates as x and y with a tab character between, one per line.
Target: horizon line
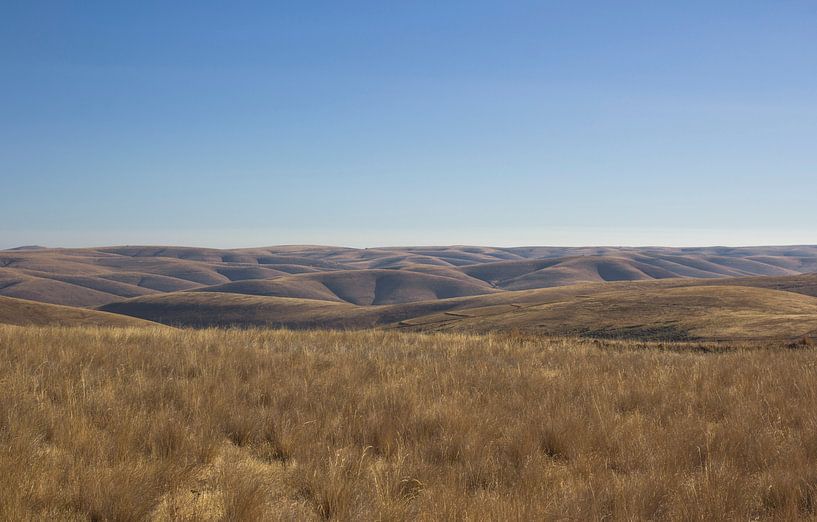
406	246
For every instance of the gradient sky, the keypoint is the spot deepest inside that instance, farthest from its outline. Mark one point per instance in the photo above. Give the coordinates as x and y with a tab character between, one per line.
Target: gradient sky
385	123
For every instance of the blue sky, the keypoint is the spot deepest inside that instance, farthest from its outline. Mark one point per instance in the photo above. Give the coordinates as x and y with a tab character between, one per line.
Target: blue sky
386	123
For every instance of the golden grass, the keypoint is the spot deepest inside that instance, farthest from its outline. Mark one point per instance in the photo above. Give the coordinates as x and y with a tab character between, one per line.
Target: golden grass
133	424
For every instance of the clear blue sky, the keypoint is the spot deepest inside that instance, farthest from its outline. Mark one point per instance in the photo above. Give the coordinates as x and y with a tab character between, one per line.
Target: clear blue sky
386	123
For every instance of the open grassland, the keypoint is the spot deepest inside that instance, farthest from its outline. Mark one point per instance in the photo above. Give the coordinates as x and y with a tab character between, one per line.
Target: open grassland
141	423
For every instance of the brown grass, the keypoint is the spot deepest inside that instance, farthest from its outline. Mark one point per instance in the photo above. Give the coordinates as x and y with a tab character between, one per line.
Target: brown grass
133	424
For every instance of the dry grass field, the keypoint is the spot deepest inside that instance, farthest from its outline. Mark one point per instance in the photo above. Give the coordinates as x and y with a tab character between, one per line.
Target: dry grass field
156	423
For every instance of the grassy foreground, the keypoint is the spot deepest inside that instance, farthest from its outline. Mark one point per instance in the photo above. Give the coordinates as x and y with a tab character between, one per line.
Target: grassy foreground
132	424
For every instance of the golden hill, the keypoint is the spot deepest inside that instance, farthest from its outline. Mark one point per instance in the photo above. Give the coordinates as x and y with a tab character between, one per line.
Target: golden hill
693	312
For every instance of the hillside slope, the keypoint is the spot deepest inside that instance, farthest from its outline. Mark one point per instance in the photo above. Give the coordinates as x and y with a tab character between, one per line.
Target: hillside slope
361	287
29	313
210	309
672	310
680	313
805	284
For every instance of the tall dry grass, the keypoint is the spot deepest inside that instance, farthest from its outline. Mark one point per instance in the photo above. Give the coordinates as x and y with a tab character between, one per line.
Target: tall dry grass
133	424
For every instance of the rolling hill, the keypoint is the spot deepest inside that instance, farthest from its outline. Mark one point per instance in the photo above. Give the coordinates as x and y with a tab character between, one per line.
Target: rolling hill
652	313
93	277
201	309
30	313
360	287
674	293
653	310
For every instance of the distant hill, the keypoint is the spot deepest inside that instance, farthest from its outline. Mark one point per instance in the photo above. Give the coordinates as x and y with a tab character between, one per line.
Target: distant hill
94	277
28	247
655	293
361	287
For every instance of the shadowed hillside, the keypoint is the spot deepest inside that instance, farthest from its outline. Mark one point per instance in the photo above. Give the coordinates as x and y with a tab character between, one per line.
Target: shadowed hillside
361	287
205	309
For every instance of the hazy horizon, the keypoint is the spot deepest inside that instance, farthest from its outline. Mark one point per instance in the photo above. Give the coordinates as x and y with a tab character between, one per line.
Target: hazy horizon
201	241
496	123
